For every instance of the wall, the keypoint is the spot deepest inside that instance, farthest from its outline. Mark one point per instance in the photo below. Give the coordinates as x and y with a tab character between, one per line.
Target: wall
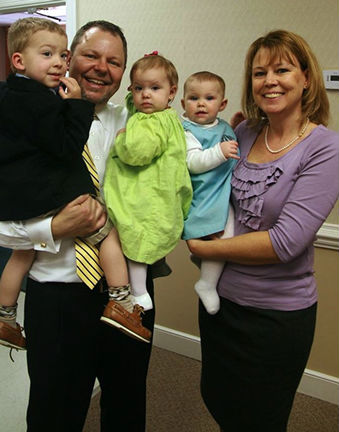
215	37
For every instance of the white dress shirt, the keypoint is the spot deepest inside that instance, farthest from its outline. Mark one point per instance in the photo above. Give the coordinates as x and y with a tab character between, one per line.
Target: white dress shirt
55	260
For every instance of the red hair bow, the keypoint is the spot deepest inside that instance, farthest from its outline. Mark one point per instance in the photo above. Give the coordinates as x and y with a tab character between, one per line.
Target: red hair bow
154	53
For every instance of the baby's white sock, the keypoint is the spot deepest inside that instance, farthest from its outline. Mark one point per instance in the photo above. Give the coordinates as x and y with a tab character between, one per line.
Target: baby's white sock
206	287
137	276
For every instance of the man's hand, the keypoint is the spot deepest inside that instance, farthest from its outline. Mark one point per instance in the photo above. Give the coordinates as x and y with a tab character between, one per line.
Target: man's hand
71	89
79	218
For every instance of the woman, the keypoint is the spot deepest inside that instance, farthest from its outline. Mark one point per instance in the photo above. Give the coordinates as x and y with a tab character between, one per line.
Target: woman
255	349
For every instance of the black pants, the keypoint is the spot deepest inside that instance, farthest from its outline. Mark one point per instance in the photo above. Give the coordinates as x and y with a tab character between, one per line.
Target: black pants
68	347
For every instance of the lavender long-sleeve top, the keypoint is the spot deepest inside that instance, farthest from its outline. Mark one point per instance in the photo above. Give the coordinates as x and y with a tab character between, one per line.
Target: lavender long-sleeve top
290	198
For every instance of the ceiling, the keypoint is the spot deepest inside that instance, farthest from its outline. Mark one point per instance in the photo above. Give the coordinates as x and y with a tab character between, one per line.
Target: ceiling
58	12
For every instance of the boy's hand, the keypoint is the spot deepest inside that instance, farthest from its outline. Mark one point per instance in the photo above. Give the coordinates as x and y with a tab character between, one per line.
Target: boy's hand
73	90
229	149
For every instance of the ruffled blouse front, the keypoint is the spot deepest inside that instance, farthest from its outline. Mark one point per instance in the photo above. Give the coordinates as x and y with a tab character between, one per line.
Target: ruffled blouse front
250	182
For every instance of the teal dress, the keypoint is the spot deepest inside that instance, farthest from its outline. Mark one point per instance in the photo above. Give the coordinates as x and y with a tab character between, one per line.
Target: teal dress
147	187
211	189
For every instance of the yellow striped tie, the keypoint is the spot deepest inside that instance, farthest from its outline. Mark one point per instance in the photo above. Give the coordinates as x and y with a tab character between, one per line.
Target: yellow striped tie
86	254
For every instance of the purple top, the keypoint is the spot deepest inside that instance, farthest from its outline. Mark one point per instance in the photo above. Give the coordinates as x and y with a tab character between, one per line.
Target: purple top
290	197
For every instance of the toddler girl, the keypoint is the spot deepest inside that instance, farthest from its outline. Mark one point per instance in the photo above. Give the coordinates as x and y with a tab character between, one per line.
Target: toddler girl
147	186
211	155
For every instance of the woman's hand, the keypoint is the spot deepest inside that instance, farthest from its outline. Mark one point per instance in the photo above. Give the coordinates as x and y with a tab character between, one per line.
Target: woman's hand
197	246
79	218
237	118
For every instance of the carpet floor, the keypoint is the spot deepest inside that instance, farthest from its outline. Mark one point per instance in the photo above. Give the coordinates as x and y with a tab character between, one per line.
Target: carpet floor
174	403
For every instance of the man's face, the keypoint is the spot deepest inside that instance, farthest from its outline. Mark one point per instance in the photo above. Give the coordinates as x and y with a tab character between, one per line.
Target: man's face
98	63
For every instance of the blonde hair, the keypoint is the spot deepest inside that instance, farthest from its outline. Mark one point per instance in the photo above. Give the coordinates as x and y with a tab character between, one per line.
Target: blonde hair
282	43
154	61
205	76
22	30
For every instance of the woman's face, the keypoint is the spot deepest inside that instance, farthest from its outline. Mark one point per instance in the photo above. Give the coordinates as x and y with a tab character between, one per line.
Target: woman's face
277	83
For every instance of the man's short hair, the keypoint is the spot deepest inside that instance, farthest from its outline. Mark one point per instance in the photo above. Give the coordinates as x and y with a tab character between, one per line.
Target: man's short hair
105	26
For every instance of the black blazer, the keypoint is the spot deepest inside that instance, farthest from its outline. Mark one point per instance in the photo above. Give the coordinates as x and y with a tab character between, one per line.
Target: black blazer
41	141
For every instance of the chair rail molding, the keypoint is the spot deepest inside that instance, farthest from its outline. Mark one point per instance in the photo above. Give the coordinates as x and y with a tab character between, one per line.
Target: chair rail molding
328	237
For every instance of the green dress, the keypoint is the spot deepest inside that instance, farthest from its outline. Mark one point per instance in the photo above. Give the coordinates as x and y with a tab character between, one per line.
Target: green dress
147	187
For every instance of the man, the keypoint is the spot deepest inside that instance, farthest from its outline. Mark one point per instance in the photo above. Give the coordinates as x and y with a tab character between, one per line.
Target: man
67	345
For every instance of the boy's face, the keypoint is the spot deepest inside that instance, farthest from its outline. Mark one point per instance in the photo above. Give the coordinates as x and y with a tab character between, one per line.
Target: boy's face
151	90
44	59
203	100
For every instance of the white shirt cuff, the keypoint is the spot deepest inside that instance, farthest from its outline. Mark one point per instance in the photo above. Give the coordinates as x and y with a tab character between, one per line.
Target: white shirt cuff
40	232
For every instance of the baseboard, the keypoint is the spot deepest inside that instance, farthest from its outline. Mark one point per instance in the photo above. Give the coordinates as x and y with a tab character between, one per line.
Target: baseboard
313	383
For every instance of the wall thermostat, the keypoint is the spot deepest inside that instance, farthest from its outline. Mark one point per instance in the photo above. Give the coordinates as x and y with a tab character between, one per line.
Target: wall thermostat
331	79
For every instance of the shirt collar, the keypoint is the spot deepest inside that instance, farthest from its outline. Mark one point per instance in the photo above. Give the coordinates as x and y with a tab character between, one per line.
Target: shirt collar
216	121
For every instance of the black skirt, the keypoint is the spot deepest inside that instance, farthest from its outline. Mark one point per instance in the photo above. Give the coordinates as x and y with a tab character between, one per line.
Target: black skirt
252	363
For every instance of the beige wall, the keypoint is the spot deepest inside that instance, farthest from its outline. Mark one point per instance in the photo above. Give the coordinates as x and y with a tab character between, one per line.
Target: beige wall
215	35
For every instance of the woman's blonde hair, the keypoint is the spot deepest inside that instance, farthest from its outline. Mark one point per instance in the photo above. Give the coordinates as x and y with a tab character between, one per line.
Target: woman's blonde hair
22	30
152	61
285	44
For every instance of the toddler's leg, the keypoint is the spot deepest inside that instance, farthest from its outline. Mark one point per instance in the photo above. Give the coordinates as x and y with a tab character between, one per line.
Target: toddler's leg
112	260
206	287
10	284
120	312
138	275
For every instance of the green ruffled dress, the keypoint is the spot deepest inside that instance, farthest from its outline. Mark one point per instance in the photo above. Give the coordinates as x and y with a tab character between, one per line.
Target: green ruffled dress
147	187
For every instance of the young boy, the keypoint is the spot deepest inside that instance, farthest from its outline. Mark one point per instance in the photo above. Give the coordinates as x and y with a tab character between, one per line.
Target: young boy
44	128
211	156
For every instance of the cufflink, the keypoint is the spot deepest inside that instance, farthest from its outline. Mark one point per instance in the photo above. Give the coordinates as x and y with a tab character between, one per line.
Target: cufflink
43	245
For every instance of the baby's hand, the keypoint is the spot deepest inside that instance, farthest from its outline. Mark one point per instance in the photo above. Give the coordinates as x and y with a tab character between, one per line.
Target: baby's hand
229	149
72	90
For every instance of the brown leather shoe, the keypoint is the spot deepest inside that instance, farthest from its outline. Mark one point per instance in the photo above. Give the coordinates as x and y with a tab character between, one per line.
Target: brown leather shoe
128	322
12	337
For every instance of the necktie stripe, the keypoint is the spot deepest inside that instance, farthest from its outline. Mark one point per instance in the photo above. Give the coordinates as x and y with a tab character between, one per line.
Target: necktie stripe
90	263
87	278
91	168
89	272
86	254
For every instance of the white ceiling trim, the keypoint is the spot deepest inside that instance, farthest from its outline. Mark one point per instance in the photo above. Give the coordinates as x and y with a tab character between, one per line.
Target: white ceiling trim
8	6
21	5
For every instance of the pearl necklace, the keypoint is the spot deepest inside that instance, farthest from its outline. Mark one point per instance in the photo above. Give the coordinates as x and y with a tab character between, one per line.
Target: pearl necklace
301	133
